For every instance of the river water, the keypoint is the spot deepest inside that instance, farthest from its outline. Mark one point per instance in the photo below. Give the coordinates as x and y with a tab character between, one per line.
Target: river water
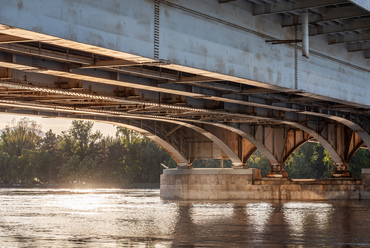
139	218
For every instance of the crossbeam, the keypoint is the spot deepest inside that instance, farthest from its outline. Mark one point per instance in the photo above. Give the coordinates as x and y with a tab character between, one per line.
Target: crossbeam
290	6
350	38
356	24
329	14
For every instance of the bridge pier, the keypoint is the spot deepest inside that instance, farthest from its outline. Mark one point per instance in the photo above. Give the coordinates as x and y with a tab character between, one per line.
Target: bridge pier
239	166
247	184
277	171
184	166
341	170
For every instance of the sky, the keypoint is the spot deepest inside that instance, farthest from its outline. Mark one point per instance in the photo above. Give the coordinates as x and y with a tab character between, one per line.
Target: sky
57	125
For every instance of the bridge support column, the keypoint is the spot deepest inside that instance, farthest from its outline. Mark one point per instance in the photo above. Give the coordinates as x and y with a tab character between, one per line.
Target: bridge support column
239	166
184	166
346	143
277	170
341	170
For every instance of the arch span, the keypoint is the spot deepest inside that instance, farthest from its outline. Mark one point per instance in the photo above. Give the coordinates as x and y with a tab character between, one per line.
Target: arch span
296	144
120	119
96	115
174	153
156	137
326	144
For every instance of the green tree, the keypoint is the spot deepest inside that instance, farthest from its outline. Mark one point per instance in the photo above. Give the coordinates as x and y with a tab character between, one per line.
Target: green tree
141	157
69	170
259	161
24	134
88	170
50	157
50	142
29	166
329	165
151	157
81	133
360	160
6	166
81	152
306	162
128	136
67	146
131	142
112	164
131	161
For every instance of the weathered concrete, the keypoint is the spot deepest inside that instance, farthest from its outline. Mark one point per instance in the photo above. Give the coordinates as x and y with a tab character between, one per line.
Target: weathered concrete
243	184
366	177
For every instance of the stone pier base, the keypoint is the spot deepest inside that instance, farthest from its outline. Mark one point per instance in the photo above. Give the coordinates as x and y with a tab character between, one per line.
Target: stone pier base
247	184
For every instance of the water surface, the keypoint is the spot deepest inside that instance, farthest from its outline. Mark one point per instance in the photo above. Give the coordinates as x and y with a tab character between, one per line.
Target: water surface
139	218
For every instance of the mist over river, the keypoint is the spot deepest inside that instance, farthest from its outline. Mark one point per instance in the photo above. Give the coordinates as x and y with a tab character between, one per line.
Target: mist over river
139	218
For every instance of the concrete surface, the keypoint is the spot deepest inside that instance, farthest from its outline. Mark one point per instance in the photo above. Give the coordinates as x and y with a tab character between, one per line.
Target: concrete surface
229	184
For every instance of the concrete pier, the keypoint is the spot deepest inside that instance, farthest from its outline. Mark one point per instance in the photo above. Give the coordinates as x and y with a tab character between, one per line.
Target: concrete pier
247	184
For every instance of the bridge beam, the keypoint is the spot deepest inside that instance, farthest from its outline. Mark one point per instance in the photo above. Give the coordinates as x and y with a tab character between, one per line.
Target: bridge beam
277	141
41	75
193	141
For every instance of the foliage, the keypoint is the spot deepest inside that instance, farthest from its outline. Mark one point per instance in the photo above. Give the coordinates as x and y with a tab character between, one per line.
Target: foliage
306	162
311	160
80	155
212	163
360	160
25	134
259	161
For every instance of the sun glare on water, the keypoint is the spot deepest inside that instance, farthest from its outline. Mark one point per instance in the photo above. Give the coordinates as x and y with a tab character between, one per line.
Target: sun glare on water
83	201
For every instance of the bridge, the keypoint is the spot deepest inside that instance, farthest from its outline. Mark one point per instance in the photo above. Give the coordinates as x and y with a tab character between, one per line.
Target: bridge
204	79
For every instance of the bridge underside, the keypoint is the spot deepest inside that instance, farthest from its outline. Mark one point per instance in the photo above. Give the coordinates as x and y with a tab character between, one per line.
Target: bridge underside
197	93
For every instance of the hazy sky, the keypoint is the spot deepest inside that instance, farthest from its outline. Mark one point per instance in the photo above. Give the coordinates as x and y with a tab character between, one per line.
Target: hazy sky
57	125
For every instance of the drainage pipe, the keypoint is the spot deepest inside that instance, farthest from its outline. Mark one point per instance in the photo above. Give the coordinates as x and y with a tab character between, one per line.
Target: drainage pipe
305	34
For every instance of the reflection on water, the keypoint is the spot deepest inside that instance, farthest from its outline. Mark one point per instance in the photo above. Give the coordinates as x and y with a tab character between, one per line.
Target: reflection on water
139	218
300	215
206	213
259	215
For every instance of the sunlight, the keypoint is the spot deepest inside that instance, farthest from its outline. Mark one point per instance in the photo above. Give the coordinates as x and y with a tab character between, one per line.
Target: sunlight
84	201
298	214
259	215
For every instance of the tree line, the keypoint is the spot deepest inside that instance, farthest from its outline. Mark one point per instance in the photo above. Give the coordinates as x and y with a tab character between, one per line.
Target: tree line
78	155
27	155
